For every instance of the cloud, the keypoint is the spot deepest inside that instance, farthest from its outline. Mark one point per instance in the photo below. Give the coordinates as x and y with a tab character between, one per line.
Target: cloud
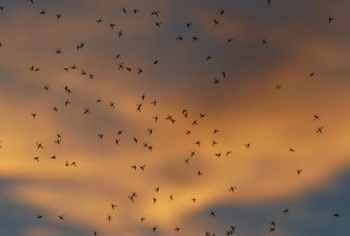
245	106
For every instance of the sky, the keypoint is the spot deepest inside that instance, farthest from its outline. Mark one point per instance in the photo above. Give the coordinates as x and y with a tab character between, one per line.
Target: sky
164	117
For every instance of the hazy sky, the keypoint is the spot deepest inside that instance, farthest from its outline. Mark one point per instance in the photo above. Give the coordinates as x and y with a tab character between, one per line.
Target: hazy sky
252	104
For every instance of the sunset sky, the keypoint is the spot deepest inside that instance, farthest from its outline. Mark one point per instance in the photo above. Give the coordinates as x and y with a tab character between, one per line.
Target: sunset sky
174	117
